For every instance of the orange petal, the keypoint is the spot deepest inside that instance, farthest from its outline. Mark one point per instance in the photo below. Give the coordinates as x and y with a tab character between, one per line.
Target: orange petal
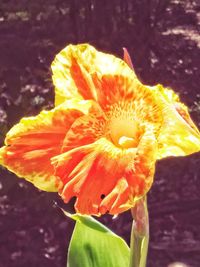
85	130
78	68
33	141
105	178
117	88
96	170
178	135
117	199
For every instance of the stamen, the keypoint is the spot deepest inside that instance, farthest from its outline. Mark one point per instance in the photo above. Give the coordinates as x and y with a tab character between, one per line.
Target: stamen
127	142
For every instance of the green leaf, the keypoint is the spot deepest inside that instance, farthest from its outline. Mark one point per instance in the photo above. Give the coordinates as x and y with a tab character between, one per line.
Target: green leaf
94	245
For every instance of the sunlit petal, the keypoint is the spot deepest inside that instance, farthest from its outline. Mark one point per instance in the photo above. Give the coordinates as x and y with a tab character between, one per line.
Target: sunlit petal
105	178
178	135
79	69
31	143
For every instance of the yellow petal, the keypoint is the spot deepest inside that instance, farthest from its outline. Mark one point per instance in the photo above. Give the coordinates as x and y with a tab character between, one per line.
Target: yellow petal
31	143
178	135
75	67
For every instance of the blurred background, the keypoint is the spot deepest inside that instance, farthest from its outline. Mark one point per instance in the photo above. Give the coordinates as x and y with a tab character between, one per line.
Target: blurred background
162	37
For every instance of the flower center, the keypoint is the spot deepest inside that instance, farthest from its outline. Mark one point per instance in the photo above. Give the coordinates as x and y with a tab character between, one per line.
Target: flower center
124	132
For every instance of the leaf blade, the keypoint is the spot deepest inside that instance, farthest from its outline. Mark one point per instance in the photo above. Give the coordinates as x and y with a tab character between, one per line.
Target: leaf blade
94	245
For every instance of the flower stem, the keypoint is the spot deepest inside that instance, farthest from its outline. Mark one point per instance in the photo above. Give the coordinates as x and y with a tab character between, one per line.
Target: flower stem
139	234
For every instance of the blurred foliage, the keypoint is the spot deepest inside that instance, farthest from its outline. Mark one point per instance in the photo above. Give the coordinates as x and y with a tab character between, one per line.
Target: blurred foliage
162	37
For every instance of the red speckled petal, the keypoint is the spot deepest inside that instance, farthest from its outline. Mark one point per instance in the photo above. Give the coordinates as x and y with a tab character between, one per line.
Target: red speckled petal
105	178
31	143
78	69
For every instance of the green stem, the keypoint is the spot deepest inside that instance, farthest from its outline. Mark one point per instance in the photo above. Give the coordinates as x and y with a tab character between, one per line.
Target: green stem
139	234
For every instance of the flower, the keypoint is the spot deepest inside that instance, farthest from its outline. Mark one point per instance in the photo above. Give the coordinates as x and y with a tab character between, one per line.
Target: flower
101	141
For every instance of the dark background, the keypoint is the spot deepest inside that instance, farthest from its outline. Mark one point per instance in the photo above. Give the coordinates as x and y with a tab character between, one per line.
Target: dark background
163	40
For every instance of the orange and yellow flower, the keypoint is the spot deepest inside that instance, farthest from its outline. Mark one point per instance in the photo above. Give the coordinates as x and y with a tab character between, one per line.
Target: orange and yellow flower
101	141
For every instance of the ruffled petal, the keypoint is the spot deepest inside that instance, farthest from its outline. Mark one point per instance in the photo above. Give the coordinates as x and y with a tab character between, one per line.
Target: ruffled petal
105	178
78	71
31	143
86	129
91	173
178	135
